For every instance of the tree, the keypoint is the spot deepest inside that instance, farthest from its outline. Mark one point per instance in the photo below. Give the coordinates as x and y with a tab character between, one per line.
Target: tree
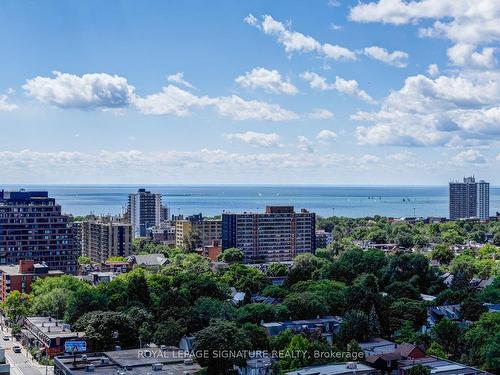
406	333
277	269
275	291
232	255
192	240
405	309
447	333
169	333
436	350
217	337
305	267
472	309
242	278
255	313
355	326
305	305
256	335
105	329
116	259
442	253
419	370
481	342
374	322
16	306
402	289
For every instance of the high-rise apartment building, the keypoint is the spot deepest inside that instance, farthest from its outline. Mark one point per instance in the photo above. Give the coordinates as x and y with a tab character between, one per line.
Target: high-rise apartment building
102	240
144	211
469	199
278	234
32	227
208	230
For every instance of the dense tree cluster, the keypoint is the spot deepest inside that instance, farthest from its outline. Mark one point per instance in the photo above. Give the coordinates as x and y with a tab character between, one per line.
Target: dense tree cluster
375	294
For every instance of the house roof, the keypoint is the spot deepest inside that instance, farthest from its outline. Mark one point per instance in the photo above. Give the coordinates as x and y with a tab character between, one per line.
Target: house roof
150	260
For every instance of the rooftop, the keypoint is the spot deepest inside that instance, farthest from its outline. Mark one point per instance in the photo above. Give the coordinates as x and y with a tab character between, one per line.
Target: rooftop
136	361
334	369
13	269
50	327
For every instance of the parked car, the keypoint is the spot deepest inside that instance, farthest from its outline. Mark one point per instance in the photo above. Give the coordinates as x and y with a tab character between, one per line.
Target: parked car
6	338
16	349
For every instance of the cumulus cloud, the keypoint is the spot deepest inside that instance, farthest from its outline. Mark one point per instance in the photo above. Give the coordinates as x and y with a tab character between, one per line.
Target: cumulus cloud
294	41
348	87
105	92
179	79
404	156
320	114
326	135
89	91
464	22
268	80
428	112
398	59
256	139
470	157
464	55
305	144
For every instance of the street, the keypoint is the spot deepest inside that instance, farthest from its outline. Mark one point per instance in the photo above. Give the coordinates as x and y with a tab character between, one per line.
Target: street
19	362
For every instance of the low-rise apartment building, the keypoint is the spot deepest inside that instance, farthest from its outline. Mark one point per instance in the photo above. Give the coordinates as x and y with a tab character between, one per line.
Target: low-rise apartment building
209	230
19	277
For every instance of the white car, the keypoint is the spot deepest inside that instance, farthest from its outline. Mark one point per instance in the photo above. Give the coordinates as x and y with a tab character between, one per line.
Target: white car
6	338
16	349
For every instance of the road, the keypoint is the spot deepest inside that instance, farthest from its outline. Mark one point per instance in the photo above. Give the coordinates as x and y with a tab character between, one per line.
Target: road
19	362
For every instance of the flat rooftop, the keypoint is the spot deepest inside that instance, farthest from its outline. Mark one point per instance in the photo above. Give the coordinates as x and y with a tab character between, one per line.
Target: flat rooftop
136	361
13	269
52	327
333	369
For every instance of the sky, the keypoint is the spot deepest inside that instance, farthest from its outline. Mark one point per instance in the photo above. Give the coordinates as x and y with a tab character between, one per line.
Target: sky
385	92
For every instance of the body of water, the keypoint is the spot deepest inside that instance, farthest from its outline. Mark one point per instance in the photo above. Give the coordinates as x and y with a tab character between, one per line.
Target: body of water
352	201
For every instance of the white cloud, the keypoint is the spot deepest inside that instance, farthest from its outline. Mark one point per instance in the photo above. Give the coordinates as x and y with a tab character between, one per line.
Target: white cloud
304	144
433	70
294	41
333	3
5	105
171	100
349	87
464	55
320	114
256	139
179	78
335	27
326	135
106	92
269	80
89	91
442	111
398	59
470	156
240	109
498	157
464	22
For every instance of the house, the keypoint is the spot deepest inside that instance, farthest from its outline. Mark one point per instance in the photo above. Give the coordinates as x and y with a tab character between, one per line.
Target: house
172	361
385	355
447	278
436	313
257	298
99	277
47	334
326	326
148	260
349	368
237	297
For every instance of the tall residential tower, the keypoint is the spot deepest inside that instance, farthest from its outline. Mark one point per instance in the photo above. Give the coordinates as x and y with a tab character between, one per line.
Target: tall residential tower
144	211
469	199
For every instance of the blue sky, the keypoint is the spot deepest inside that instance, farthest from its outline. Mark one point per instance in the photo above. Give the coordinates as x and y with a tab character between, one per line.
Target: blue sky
321	92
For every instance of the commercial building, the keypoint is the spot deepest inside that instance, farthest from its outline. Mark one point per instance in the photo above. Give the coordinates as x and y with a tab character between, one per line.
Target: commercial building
32	227
279	234
19	277
469	199
101	240
144	211
171	361
47	334
207	230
